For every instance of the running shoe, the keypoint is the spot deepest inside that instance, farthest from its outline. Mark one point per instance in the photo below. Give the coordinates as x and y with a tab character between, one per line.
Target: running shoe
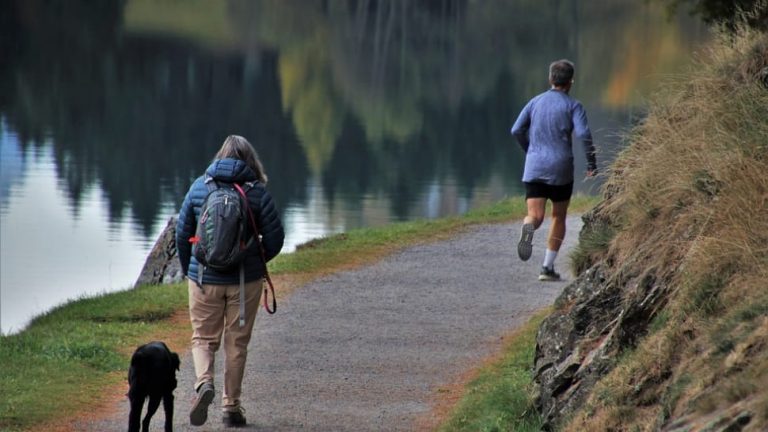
525	246
549	275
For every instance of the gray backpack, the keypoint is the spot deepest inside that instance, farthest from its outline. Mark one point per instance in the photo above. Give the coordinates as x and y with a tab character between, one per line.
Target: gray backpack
221	228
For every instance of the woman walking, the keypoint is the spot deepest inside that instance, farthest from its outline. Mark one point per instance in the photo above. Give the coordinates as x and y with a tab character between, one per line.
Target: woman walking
224	303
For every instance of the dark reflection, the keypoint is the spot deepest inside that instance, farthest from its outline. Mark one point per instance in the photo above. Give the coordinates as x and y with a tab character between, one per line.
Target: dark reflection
365	96
141	115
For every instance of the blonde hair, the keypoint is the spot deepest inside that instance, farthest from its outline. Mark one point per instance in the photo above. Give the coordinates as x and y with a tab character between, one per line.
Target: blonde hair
237	147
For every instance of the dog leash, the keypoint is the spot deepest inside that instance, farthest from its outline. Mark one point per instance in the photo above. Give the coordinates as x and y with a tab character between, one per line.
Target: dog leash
270	286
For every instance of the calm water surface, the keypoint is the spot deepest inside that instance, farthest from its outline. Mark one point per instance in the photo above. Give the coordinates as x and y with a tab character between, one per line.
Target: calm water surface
364	113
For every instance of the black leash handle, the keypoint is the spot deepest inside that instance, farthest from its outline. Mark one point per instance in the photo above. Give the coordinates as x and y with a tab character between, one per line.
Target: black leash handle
270	287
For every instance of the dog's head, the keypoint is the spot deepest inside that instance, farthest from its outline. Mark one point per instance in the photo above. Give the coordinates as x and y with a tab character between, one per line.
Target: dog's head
175	361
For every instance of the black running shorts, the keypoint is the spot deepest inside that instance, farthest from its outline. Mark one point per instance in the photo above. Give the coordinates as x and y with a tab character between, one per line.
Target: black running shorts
542	190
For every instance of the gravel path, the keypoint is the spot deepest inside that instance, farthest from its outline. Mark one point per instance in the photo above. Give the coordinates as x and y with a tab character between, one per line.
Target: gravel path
365	350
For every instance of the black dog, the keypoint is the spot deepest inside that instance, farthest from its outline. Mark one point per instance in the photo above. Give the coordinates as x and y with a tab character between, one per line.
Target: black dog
152	375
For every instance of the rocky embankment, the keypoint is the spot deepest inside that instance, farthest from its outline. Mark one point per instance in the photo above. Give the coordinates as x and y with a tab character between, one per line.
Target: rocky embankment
596	318
666	326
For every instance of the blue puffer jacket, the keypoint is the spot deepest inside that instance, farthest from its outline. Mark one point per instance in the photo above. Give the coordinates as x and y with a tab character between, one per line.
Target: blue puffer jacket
262	206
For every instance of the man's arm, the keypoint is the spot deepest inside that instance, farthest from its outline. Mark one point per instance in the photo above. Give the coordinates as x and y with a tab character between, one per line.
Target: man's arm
582	132
521	126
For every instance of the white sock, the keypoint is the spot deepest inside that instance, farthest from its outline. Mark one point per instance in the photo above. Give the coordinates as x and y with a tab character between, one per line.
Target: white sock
549	259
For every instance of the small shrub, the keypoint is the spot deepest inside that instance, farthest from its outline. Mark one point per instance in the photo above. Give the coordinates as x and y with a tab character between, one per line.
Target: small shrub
593	244
706	184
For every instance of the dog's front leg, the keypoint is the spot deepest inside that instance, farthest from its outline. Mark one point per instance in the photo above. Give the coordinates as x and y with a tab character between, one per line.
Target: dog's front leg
168	406
154	402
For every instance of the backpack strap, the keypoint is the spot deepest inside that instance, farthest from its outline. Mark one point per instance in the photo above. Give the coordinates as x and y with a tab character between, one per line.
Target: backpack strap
242	294
200	270
210	183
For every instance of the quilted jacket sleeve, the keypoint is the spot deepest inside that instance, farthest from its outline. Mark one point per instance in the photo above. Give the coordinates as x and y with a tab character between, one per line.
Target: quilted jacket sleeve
268	221
185	228
272	232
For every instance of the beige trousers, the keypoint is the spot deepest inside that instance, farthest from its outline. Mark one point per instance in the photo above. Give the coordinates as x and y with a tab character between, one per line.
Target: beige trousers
213	311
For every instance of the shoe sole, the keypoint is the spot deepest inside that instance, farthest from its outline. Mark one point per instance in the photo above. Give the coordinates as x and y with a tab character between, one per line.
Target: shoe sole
199	414
231	424
545	278
525	246
230	420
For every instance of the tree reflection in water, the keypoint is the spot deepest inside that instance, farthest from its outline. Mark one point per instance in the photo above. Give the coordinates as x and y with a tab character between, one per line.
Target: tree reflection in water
365	98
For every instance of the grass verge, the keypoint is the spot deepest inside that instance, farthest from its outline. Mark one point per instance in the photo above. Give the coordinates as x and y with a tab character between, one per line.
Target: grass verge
499	397
64	359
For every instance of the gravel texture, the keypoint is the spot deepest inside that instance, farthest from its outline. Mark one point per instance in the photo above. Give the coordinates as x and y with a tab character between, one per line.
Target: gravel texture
366	350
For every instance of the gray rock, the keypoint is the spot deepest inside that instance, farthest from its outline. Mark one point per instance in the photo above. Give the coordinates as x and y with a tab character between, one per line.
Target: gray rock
574	344
162	265
595	318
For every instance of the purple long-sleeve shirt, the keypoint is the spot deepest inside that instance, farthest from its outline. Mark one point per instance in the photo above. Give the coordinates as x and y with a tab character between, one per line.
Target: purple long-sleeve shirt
544	129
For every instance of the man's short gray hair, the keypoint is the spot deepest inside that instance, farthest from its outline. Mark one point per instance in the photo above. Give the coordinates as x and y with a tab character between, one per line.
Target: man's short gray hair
561	72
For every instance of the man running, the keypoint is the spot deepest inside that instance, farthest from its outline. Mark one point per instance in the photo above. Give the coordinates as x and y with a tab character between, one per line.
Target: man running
544	130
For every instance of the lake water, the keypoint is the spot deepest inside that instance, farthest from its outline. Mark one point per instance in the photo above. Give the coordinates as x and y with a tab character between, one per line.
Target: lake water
364	113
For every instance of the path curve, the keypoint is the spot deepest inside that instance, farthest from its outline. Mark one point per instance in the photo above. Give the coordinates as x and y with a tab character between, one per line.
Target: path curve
366	350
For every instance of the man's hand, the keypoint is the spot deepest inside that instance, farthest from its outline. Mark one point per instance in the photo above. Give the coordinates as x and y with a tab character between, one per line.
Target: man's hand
591	173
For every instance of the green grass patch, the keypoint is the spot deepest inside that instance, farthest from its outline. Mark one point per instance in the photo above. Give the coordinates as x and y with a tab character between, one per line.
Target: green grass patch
64	359
500	398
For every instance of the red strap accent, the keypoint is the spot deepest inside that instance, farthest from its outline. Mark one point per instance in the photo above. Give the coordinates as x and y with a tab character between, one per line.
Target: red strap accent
194	240
270	286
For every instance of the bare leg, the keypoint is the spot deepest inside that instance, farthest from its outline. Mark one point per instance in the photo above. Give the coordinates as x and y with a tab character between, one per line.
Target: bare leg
554	241
536	208
557	230
531	222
